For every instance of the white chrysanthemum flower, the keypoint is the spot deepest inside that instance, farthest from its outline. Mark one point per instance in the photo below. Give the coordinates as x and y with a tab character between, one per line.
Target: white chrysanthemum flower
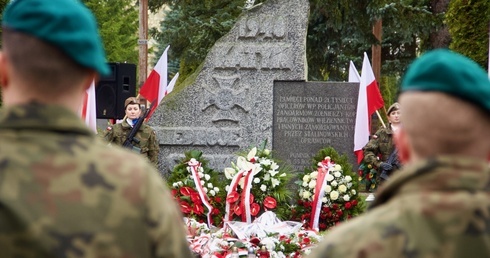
188	169
263	188
227	188
312	184
314	174
267	177
334	195
342	188
175	185
349	185
275	182
202	182
334	183
328	189
205	189
200	174
306	195
337	167
200	169
324	199
306	178
207	177
210	185
348	179
229	173
346	197
305	184
256	180
329	177
180	183
353	191
216	189
337	174
212	192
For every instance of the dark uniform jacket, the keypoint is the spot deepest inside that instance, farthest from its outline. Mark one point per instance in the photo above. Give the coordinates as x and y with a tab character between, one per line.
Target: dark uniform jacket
145	137
65	193
434	208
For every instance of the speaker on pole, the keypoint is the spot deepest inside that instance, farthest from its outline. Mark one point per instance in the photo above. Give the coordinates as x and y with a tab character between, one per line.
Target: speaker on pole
111	91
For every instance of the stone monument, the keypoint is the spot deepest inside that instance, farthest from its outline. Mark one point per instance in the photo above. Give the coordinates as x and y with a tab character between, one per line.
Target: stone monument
229	106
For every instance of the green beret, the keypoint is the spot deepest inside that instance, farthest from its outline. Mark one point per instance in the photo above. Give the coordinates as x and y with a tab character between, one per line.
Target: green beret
66	24
449	72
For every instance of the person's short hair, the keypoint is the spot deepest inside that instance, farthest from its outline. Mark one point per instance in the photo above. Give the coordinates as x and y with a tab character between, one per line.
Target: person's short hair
49	70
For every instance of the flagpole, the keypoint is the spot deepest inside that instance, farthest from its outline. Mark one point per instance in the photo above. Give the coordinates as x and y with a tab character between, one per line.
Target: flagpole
143	41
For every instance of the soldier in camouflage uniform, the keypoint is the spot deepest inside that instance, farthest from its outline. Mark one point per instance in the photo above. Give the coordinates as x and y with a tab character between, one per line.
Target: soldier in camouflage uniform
145	140
381	145
63	191
438	204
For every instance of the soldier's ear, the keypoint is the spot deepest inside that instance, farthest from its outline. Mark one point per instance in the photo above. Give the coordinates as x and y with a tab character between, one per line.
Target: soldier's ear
403	145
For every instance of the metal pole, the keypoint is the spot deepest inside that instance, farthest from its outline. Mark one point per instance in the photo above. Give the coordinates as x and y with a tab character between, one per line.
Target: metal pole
143	42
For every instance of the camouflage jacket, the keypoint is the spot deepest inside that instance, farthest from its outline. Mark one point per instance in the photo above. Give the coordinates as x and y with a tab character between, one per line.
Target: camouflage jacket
381	144
65	193
147	140
435	208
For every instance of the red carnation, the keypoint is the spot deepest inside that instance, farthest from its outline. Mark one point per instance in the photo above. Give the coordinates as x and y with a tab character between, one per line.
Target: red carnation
217	199
353	202
254	209
335	206
339	212
270	202
232	197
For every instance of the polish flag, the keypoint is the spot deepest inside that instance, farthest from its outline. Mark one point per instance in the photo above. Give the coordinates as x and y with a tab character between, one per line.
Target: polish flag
374	99
87	111
368	102
171	84
156	84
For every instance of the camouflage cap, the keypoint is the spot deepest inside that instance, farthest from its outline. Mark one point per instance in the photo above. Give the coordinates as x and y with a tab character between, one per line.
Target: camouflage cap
445	71
394	107
66	24
131	100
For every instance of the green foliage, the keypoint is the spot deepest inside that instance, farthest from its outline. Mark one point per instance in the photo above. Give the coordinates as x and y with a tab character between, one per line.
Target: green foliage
118	24
468	23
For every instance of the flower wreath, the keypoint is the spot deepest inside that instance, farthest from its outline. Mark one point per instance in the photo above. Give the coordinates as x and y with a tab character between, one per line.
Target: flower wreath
257	183
367	176
198	189
327	192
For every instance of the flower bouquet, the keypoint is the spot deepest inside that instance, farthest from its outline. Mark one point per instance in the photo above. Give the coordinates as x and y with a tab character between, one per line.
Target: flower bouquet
257	183
327	192
367	176
198	189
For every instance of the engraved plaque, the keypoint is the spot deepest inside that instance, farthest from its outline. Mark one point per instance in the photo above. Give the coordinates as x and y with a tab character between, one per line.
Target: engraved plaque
309	116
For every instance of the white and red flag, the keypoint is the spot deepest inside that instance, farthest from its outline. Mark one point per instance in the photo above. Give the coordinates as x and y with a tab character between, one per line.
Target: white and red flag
368	102
156	84
171	84
88	108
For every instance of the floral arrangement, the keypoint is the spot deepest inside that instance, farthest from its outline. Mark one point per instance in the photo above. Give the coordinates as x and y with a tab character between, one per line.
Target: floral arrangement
367	176
257	183
198	189
327	192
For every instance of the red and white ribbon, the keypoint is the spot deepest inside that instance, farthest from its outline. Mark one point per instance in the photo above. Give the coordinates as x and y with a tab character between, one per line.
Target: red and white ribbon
321	183
244	196
197	181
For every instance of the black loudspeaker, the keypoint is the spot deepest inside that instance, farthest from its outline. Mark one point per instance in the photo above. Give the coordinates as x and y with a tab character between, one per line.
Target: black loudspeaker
114	89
